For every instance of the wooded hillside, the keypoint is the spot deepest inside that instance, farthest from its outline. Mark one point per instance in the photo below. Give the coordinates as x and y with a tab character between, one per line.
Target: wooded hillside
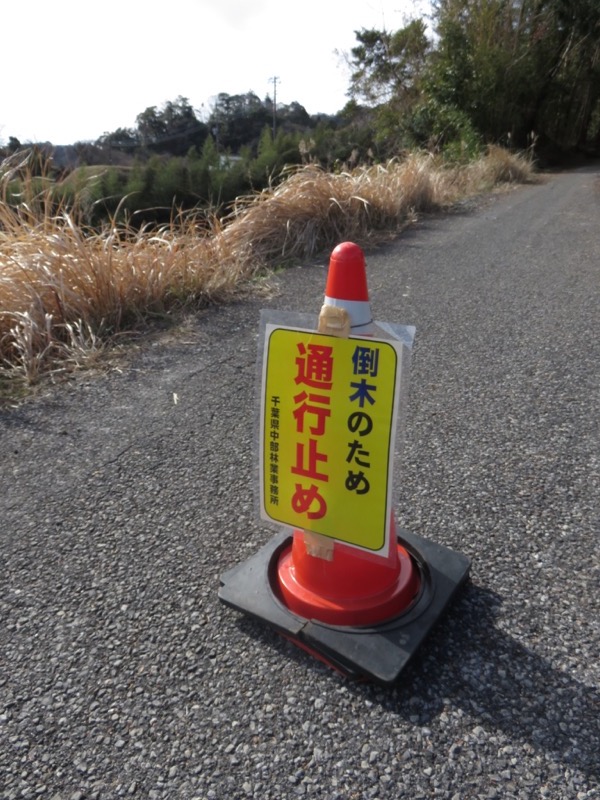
521	73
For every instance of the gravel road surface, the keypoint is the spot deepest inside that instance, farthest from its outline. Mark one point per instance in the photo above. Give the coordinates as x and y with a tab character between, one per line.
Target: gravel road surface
124	497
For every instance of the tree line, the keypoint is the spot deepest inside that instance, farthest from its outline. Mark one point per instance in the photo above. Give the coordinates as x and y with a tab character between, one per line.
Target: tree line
523	73
514	72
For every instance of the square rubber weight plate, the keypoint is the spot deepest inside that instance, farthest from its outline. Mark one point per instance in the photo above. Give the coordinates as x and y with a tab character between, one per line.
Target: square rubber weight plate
379	652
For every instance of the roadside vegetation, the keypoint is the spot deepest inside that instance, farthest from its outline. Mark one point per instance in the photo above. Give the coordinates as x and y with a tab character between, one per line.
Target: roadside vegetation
189	207
68	291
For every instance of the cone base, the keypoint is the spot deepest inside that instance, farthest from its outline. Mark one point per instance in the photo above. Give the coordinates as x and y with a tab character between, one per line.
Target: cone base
341	607
380	652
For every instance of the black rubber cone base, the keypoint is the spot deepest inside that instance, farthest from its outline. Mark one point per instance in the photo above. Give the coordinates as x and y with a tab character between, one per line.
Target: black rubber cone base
378	653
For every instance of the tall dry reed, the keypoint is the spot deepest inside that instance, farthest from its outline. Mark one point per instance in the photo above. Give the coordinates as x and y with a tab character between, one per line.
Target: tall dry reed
65	290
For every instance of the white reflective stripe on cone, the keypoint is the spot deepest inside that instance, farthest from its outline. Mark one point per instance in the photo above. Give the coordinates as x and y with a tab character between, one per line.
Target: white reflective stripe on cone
359	310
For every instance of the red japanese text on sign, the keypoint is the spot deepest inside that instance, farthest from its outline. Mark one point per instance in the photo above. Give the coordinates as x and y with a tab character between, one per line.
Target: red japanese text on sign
314	365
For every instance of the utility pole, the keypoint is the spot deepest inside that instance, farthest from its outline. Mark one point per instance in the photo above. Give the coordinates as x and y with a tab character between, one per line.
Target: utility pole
274	80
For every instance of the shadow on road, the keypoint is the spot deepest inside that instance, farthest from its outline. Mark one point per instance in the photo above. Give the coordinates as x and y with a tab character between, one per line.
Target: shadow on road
471	664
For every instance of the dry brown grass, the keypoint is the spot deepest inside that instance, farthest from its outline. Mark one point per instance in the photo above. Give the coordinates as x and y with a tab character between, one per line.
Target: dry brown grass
65	291
312	209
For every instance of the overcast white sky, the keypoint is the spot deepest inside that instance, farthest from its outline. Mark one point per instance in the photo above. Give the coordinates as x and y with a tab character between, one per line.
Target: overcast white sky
74	69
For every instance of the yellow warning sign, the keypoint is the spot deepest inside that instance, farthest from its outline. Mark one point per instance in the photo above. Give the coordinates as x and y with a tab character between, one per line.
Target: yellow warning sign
328	422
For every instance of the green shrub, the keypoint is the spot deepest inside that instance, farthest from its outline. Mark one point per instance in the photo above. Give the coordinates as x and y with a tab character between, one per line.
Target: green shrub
443	129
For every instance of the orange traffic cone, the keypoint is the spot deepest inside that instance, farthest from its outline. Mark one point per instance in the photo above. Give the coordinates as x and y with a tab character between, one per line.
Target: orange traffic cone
363	614
346	286
342	585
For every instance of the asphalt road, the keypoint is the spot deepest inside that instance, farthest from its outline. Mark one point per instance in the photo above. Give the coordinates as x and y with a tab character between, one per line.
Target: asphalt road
121	674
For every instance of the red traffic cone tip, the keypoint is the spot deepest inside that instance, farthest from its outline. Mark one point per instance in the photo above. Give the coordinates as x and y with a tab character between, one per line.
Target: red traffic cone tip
347	276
